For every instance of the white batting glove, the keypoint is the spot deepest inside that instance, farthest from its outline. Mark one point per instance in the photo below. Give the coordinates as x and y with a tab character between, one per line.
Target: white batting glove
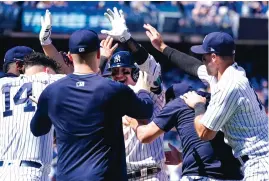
45	32
142	83
119	29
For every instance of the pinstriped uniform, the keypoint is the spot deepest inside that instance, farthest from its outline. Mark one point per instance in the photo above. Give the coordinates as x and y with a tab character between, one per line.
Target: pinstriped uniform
139	155
235	109
16	140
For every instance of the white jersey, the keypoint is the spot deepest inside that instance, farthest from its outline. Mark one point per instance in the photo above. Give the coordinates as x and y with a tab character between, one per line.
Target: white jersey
235	109
139	155
16	140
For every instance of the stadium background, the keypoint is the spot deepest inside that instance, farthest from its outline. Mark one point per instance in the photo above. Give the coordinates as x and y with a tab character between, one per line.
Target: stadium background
182	25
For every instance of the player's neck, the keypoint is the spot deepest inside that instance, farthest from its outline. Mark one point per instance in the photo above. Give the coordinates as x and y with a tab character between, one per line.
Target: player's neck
223	68
83	69
33	70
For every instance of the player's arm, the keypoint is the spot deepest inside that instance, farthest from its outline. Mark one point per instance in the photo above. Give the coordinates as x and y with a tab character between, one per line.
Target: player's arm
41	123
221	107
136	102
49	49
163	122
183	61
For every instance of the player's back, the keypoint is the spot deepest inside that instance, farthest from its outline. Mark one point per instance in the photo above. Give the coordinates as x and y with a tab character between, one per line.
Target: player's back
86	111
16	140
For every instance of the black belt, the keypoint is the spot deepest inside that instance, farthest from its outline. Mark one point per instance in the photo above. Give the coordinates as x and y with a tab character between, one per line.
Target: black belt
143	172
243	159
24	163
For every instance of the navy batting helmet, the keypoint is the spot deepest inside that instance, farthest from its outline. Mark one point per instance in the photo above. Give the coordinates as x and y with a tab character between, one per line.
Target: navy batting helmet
124	59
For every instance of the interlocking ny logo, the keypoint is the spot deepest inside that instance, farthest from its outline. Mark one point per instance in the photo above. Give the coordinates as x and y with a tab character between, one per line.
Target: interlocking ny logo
117	59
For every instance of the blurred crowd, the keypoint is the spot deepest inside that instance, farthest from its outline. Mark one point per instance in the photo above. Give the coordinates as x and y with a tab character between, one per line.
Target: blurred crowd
205	16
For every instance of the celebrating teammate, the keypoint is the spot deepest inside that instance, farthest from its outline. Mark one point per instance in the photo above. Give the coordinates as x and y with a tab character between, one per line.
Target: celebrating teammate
22	155
234	107
13	61
144	161
86	110
203	160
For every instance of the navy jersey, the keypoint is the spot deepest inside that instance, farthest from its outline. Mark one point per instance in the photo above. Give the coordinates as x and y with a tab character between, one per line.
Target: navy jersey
86	111
2	74
212	159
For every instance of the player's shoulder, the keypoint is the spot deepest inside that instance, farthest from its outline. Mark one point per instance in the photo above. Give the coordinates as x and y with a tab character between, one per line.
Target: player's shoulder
6	80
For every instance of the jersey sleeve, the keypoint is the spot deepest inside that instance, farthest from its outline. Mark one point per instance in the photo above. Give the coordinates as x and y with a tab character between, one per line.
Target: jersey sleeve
153	70
41	123
223	104
167	118
138	106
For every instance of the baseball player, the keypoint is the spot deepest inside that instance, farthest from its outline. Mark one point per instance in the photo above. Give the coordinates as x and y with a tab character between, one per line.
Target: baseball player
144	161
13	61
22	155
86	110
234	107
203	160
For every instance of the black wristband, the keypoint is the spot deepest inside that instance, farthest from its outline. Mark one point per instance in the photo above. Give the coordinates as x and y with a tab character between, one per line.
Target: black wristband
139	53
199	108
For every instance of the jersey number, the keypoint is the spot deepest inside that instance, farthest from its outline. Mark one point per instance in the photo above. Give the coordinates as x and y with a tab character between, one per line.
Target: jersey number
17	98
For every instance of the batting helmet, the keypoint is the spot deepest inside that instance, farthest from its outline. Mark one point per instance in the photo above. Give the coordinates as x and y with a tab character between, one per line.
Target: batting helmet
124	59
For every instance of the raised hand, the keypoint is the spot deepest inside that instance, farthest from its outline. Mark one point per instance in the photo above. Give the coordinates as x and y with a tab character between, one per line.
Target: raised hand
119	29
45	32
106	47
155	37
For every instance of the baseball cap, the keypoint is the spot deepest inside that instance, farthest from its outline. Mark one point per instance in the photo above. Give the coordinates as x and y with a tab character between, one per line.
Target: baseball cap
83	41
121	59
176	90
220	43
17	53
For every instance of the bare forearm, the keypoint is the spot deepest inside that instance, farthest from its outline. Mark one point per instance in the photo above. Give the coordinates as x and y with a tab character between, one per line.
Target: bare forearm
53	53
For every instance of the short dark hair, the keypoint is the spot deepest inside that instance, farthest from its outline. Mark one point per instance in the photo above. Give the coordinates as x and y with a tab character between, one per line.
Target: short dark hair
37	58
6	67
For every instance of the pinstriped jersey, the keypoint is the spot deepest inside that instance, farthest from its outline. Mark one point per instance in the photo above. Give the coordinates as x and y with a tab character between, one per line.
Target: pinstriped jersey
235	109
139	155
16	140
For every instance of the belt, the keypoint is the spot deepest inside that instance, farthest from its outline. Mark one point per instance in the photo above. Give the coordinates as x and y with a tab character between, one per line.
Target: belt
23	163
243	159
143	172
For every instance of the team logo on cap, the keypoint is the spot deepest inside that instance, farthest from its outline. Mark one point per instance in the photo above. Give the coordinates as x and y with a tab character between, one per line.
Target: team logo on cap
81	49
117	59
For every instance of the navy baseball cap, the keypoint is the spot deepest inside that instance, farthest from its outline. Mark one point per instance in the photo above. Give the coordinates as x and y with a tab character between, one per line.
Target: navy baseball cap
121	59
17	53
176	90
220	43
83	41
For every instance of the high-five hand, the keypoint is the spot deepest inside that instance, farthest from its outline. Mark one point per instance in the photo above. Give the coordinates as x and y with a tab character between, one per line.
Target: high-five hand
106	47
155	37
45	32
119	29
